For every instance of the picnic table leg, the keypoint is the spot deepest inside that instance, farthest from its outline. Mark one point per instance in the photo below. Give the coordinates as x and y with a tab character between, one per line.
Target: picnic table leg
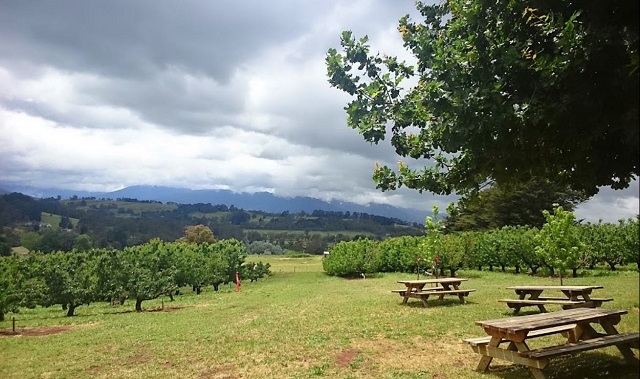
424	299
584	332
485	360
536	372
445	287
542	308
624	349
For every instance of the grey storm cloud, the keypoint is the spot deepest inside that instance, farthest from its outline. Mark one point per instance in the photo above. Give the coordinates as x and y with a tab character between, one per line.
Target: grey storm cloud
230	94
137	38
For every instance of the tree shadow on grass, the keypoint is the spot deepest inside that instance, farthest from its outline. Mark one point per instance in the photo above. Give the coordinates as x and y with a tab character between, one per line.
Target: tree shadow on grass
436	303
588	365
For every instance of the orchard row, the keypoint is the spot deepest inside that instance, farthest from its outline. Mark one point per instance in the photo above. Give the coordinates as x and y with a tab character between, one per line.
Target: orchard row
140	273
561	245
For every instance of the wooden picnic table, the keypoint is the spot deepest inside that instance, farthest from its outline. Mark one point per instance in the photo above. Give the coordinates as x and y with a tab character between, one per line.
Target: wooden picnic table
574	297
441	287
574	324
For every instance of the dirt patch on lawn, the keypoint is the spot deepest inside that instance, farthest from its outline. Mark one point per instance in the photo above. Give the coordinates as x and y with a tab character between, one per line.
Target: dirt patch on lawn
167	309
345	358
219	372
34	332
41	330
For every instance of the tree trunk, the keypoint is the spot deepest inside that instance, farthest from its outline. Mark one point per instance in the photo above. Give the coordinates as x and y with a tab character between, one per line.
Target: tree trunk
517	269
479	268
215	286
552	271
139	304
453	272
64	306
170	296
1	316
612	265
503	268
198	290
490	267
71	309
534	270
575	272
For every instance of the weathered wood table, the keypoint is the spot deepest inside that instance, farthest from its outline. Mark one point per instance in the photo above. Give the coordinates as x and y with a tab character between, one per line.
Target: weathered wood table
442	287
574	324
574	297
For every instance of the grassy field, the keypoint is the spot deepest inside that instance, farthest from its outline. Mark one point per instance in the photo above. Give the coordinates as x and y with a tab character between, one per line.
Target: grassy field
348	233
54	220
135	207
299	323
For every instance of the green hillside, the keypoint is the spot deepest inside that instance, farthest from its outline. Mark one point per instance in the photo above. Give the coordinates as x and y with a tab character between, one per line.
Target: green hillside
54	220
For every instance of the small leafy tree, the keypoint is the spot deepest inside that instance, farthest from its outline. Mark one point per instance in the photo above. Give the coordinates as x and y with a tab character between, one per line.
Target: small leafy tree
433	243
21	283
9	298
70	279
631	235
456	249
217	266
400	254
83	242
349	258
152	271
559	242
112	275
198	234
524	248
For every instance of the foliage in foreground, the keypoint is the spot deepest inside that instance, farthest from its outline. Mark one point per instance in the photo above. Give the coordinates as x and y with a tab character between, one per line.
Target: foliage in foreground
503	104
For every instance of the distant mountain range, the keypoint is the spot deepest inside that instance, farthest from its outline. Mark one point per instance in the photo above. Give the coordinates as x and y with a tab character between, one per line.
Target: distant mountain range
261	201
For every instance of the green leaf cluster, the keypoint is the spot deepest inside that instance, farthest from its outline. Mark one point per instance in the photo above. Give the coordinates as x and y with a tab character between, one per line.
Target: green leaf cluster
501	91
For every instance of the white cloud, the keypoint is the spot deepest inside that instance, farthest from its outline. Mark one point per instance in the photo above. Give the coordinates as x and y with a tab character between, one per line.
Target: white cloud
217	95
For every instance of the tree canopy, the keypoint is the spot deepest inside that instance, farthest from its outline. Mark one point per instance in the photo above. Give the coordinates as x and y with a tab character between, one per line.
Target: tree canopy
502	91
502	205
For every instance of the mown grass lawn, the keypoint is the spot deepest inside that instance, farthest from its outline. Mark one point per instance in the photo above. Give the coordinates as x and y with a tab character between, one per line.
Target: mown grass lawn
300	324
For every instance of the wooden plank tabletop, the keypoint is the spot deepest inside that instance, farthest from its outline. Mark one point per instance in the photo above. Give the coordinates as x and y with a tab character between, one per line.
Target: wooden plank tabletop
561	288
438	280
520	324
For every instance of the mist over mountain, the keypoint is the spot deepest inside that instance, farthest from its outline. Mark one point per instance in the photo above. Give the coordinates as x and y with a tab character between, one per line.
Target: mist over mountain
261	201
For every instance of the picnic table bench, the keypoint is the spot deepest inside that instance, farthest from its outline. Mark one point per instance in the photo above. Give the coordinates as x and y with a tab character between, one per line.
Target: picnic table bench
574	297
441	288
574	324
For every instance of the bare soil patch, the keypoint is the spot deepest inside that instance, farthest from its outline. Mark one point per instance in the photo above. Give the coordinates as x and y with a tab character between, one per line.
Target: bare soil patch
345	358
220	372
166	309
43	330
34	332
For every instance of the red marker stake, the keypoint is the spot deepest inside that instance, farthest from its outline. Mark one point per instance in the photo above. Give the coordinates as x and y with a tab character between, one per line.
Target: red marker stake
237	282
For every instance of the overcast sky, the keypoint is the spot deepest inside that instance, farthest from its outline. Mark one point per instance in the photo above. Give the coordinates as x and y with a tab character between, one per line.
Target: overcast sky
100	95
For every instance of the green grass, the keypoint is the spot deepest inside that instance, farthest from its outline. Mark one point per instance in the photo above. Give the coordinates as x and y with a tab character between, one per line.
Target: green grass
349	233
300	324
54	220
136	207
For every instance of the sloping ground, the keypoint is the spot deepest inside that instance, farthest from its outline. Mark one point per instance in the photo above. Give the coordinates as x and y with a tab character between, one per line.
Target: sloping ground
300	324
